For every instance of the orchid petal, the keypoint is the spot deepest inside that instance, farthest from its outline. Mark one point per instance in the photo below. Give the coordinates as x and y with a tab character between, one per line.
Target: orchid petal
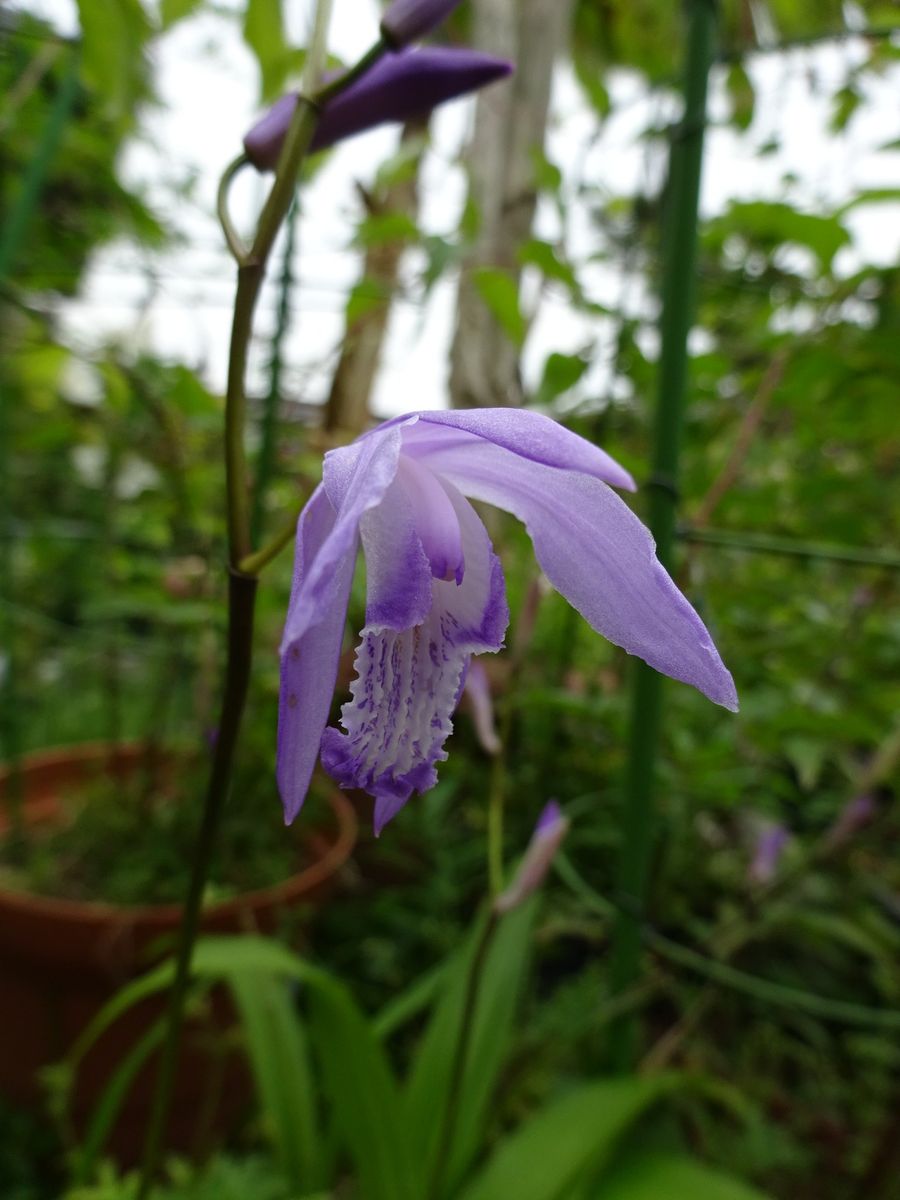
527	434
355	480
408	681
596	552
436	520
398	573
309	662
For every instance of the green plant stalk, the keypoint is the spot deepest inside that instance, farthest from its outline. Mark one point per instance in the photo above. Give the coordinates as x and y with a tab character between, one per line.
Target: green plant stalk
496	804
11	239
460	1056
266	460
679	272
720	972
251	272
241	599
761	543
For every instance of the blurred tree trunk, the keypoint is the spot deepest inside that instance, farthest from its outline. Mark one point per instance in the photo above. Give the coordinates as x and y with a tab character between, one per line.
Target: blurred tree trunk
347	406
510	125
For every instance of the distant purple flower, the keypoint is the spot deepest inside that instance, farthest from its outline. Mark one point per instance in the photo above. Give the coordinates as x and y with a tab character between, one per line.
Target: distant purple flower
854	816
770	844
408	20
546	840
435	589
398	87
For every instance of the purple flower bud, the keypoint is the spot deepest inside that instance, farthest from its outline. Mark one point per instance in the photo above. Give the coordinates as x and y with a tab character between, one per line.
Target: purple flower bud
770	845
547	838
854	816
408	20
262	144
478	692
398	87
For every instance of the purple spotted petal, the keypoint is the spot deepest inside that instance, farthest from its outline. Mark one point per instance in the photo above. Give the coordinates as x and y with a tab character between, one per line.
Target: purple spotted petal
309	663
596	552
408	681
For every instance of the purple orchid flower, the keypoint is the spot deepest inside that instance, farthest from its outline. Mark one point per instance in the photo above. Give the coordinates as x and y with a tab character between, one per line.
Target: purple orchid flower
398	87
435	589
408	20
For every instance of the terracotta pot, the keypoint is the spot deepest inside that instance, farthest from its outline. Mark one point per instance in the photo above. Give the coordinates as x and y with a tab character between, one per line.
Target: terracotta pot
61	960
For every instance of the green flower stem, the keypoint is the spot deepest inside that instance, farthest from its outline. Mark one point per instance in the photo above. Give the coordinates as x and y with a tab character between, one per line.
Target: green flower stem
254	563
679	273
343	81
265	461
251	272
497	800
241	601
232	238
762	543
460	1056
242	588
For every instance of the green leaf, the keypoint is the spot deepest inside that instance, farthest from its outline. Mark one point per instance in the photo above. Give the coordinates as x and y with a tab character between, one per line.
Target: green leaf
500	293
115	1090
492	1027
770	224
561	372
741	95
577	1135
264	34
657	1176
807	756
172	11
885	195
384	229
276	1046
366	296
845	103
114	33
401	1008
363	1093
542	255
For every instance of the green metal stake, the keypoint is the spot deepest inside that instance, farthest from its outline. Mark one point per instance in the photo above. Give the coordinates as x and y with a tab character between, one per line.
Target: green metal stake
679	271
11	239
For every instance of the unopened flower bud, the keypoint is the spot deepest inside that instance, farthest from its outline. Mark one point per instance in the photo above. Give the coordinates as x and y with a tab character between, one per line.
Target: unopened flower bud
408	20
770	845
397	88
478	693
547	838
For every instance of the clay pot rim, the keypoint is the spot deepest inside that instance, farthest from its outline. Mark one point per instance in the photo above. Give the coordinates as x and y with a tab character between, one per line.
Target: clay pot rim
99	911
